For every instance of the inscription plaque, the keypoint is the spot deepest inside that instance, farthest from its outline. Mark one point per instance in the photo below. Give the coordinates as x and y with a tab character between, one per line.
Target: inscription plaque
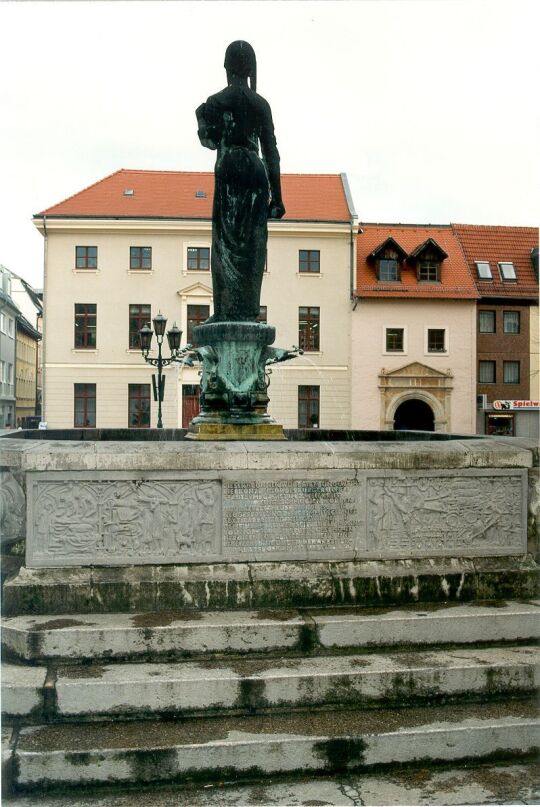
291	517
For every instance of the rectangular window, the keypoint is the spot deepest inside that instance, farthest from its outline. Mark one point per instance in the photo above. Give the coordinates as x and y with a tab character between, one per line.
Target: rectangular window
388	269
11	327
511	372
3	326
500	424
395	340
263	316
486	372
436	340
308	407
139	406
198	259
486	321
196	315
428	271
309	328
511	322
85	406
508	273
85	325
309	260
140	258
139	315
484	270
86	257
10	373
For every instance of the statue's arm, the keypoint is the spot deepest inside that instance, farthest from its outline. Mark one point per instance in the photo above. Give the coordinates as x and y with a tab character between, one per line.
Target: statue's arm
270	155
207	128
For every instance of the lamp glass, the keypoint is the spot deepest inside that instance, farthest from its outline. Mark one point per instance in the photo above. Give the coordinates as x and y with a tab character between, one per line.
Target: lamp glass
160	323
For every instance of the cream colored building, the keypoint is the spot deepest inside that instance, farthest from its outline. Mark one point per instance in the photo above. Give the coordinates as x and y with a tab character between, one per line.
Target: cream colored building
142	239
413	331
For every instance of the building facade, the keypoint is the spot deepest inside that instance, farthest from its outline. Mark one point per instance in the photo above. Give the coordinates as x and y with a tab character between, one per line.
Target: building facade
501	261
139	242
26	371
29	301
413	331
8	316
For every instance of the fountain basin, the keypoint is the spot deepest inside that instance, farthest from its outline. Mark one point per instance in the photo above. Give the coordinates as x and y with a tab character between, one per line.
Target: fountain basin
115	502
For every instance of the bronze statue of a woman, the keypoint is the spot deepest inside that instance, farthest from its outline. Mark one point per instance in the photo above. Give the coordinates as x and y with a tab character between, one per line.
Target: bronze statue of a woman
247	191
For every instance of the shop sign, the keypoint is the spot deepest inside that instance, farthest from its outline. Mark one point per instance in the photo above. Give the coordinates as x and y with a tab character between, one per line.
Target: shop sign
513	405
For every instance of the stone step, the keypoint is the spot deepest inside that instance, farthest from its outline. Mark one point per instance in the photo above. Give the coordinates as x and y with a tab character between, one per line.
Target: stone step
500	782
252	747
183	634
146	689
269	584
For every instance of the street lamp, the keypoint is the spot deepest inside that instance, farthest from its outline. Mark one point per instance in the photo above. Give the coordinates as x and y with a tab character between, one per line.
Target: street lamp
174	337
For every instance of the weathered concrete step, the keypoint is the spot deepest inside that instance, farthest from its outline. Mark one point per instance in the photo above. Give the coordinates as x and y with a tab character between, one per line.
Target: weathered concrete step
502	782
256	747
183	634
94	691
287	584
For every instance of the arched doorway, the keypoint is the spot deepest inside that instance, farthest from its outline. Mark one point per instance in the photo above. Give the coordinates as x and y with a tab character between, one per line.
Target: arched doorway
414	414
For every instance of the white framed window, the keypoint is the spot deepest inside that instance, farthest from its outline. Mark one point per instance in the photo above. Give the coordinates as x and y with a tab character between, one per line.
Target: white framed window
484	270
3	326
394	340
11	327
508	272
435	340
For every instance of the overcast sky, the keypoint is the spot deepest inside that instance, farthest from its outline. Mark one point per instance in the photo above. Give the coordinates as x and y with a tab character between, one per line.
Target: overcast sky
429	106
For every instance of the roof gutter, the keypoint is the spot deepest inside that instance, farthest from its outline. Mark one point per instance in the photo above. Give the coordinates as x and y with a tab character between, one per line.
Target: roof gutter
44	342
352	225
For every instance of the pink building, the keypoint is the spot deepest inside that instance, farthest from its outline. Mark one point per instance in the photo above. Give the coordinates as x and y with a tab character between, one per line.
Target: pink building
413	331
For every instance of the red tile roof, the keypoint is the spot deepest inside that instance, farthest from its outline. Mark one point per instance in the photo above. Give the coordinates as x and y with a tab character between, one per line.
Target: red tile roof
456	281
496	244
172	195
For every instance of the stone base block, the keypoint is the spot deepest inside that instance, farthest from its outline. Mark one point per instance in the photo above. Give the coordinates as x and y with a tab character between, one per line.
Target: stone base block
232	431
223	586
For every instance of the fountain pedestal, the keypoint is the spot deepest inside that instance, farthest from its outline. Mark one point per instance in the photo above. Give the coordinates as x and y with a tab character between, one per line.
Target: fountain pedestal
234	397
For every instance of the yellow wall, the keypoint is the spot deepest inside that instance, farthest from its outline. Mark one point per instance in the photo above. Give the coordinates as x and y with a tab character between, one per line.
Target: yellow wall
25	375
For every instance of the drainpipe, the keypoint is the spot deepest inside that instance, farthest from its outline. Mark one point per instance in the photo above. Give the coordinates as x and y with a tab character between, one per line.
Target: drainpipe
43	321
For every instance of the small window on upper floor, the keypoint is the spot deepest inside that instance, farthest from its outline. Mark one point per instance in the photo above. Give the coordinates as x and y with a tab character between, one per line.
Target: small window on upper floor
395	341
198	259
484	270
427	258
140	258
309	261
388	258
429	271
511	323
436	340
508	272
388	269
486	321
85	257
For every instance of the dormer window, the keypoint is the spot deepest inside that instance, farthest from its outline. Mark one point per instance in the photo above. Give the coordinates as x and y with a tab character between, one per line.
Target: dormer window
388	269
429	270
484	270
508	273
427	258
388	258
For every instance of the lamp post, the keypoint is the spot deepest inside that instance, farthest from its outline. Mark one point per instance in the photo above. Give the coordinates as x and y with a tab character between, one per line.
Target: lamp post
174	336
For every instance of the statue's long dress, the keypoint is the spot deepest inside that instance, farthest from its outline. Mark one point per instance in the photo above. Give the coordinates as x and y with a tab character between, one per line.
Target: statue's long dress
235	120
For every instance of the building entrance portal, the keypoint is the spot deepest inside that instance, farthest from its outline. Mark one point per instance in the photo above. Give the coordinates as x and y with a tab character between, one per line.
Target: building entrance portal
414	414
190	403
